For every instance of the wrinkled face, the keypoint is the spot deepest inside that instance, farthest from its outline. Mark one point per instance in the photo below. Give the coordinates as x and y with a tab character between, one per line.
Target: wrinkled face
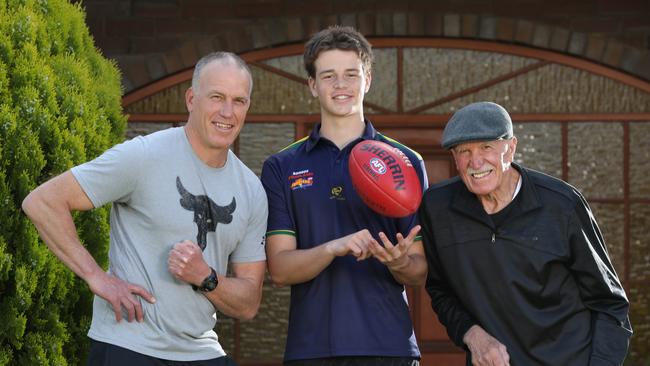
482	165
340	83
218	108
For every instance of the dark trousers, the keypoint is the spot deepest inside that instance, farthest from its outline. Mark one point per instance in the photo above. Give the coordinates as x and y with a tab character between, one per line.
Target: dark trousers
356	361
105	354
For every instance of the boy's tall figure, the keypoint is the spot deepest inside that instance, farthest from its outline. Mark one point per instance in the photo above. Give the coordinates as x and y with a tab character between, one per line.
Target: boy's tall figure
348	304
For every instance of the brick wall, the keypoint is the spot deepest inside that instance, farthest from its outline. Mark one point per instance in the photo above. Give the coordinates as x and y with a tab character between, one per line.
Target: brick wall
154	38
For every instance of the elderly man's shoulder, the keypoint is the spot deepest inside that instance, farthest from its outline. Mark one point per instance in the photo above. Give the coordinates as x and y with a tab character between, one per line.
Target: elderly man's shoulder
548	185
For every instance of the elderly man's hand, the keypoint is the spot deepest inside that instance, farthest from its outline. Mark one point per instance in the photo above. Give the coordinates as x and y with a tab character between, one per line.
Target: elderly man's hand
486	350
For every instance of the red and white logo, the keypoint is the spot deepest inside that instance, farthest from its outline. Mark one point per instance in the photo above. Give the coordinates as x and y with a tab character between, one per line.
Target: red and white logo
377	166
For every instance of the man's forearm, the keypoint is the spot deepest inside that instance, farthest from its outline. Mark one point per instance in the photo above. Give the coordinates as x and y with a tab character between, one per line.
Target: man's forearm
52	217
240	296
236	297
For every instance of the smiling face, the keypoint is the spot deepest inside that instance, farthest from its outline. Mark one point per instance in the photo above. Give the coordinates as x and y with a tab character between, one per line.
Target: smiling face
484	166
340	83
217	109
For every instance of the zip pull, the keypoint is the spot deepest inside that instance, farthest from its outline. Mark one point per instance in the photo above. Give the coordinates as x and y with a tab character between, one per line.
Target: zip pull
493	238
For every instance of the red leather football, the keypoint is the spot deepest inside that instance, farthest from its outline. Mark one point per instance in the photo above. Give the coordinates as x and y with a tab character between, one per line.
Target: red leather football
385	178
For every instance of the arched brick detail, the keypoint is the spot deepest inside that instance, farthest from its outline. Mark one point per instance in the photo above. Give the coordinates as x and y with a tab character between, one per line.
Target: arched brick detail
249	35
295	48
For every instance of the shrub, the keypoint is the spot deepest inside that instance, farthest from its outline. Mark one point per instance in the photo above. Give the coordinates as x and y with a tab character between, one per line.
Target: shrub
59	107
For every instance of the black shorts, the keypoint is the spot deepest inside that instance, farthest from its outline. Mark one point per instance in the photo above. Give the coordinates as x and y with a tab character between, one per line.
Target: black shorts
356	361
105	354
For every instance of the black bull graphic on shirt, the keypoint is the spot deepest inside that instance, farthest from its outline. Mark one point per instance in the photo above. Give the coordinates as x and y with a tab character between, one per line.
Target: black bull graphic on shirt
207	214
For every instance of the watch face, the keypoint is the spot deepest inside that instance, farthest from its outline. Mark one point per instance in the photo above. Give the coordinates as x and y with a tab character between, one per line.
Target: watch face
210	282
208	285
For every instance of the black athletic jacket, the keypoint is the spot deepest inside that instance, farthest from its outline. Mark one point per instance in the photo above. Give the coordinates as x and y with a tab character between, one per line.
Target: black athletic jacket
541	283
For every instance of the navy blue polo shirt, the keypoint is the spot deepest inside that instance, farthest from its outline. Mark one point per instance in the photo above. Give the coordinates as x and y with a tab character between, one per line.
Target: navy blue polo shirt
351	308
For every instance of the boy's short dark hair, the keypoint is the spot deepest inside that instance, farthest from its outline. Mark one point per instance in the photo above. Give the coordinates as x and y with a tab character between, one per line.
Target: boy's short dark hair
337	38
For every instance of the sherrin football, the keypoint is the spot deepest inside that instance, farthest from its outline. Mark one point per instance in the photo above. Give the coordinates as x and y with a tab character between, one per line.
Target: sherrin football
385	178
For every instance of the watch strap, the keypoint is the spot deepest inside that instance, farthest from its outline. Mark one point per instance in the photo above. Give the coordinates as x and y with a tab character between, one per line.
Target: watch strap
209	283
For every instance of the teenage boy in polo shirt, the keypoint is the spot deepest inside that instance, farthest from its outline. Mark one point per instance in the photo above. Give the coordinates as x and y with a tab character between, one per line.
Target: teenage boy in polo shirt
347	265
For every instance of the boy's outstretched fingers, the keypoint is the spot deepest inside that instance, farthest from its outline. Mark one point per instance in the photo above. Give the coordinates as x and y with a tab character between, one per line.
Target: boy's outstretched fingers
413	233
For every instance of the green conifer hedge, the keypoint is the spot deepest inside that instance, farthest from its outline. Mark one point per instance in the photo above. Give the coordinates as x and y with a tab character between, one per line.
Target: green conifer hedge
59	106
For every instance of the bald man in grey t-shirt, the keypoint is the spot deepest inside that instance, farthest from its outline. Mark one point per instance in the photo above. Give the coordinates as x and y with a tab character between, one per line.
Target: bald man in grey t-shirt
184	207
155	174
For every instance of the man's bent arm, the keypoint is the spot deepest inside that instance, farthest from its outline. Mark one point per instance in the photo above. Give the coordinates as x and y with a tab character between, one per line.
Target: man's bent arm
444	302
600	288
50	208
240	296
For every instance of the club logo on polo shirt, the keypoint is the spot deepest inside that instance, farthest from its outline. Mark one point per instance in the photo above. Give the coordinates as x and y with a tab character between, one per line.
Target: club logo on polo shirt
301	179
337	193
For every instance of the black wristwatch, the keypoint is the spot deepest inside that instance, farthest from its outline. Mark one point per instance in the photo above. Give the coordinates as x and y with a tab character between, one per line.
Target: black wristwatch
209	283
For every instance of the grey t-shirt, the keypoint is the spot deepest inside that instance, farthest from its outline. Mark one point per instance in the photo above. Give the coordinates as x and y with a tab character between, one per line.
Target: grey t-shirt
162	194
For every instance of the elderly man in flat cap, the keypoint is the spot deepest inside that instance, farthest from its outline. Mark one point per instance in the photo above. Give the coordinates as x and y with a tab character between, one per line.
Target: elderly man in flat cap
518	269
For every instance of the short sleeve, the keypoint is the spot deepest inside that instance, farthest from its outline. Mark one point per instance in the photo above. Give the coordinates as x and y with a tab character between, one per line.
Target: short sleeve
112	176
251	247
278	205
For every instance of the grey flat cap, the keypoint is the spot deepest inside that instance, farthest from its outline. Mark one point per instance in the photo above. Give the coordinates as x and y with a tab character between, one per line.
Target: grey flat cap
482	121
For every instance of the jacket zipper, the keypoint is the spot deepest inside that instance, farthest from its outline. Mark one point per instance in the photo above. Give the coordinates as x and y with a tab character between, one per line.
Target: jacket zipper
493	238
